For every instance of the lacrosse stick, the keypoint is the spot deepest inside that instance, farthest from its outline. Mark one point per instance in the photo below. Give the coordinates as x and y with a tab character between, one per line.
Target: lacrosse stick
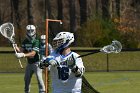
7	30
114	47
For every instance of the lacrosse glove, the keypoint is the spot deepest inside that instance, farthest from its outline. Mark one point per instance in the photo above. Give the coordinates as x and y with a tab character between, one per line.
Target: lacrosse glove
20	55
42	65
78	71
51	61
45	62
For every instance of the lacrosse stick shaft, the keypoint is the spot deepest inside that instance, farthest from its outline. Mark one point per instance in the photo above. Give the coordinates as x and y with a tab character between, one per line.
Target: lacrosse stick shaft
115	47
97	51
18	59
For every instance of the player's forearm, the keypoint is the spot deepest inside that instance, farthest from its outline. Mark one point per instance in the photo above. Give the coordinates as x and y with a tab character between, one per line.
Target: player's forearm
19	49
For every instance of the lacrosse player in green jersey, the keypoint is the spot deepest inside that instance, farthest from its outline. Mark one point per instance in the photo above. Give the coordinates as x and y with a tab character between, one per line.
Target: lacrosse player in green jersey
30	50
42	50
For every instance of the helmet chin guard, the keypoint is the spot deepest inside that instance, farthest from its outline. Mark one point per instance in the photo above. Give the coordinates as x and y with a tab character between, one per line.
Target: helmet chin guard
62	40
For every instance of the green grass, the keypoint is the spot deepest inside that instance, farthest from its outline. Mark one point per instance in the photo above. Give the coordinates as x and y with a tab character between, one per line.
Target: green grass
115	82
104	82
14	83
112	82
95	62
6	49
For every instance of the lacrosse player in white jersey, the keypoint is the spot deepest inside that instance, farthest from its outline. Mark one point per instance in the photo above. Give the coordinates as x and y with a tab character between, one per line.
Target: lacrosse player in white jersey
66	68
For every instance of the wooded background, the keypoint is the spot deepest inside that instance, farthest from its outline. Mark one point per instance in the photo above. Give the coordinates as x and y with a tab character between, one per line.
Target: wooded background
94	22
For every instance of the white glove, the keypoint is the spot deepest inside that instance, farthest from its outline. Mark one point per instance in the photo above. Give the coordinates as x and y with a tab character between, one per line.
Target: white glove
15	45
80	72
53	62
50	61
20	55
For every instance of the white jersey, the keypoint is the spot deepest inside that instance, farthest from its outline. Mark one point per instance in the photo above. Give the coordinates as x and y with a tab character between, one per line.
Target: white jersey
63	79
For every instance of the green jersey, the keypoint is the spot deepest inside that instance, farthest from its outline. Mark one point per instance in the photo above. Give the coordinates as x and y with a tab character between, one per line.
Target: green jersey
29	46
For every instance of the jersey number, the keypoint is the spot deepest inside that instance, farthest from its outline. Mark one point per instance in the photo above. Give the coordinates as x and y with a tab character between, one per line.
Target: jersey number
63	73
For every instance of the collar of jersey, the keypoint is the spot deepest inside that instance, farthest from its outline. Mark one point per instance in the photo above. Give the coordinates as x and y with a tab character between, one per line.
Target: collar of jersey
63	56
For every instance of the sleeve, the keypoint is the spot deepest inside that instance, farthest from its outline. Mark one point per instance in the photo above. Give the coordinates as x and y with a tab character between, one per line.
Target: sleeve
80	69
79	62
36	45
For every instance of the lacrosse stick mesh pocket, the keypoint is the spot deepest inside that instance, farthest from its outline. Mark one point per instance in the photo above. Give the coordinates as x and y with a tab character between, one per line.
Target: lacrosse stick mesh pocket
117	46
7	30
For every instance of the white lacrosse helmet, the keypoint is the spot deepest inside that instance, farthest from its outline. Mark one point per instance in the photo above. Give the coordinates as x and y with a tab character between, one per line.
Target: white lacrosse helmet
63	40
43	39
31	30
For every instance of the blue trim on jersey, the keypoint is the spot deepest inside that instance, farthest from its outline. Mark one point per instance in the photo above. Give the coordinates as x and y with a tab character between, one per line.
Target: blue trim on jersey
63	56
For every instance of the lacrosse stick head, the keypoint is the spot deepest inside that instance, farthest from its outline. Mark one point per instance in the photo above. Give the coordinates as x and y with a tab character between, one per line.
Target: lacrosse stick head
115	47
7	30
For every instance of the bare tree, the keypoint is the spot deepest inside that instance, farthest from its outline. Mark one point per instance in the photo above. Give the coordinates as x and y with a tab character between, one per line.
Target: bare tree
60	9
105	9
117	8
48	9
29	12
97	6
83	11
15	17
72	15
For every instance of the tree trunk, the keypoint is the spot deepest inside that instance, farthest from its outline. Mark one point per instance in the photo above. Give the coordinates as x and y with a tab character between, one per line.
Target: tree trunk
72	16
15	17
11	2
97	6
29	12
48	9
105	9
83	11
117	8
60	9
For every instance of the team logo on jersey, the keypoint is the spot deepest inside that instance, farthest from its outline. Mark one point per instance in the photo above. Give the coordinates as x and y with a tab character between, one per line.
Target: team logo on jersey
27	47
70	62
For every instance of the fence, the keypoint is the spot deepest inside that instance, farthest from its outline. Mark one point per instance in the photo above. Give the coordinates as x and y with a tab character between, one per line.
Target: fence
127	60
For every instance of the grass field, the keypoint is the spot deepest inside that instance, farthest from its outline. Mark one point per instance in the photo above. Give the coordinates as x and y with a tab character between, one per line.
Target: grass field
14	83
104	82
97	62
115	82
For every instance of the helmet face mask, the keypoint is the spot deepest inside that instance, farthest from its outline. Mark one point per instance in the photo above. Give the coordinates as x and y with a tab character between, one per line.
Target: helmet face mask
43	39
57	43
63	40
31	31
